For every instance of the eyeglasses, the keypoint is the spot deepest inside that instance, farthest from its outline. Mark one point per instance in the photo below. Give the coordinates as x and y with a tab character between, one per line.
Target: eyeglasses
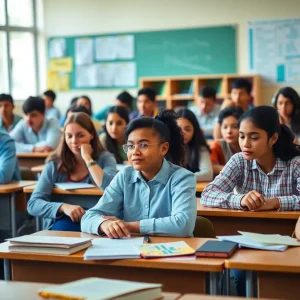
142	147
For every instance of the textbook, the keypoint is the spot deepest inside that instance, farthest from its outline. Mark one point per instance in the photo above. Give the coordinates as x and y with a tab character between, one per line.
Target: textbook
216	249
165	250
48	244
73	185
102	289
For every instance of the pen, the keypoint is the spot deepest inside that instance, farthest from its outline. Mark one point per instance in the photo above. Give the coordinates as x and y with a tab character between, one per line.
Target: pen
147	239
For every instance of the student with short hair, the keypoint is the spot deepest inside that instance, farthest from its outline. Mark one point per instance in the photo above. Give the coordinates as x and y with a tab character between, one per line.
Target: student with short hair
9	169
223	149
197	151
113	137
207	110
124	99
146	104
64	117
35	133
8	120
153	196
287	103
51	111
79	158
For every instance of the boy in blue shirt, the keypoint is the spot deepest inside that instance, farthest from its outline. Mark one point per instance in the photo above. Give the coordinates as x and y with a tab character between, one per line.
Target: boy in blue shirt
51	111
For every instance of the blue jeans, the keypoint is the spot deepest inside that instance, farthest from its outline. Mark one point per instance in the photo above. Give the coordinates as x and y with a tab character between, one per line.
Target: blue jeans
240	282
66	224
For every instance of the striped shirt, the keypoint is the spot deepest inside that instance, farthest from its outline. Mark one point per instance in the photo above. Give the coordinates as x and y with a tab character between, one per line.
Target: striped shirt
283	182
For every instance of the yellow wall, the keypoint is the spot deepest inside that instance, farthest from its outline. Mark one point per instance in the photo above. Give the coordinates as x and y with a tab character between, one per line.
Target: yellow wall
79	17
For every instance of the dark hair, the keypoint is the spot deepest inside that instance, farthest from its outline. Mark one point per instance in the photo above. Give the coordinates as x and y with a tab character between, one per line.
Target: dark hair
197	142
166	127
63	155
267	119
89	101
34	103
73	101
50	94
231	111
293	96
125	98
6	97
149	92
242	83
111	144
80	108
208	92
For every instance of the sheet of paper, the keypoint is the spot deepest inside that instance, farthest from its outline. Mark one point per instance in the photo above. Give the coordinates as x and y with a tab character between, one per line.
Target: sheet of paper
106	74
61	64
125	47
84	54
73	185
87	76
57	48
125	74
271	238
58	81
106	48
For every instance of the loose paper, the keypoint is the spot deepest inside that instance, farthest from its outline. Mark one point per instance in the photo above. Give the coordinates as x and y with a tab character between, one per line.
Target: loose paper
106	48
57	48
125	74
84	51
87	76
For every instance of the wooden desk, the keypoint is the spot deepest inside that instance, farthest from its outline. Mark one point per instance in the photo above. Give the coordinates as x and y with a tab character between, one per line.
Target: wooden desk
38	169
10	194
278	272
229	221
28	291
31	159
179	276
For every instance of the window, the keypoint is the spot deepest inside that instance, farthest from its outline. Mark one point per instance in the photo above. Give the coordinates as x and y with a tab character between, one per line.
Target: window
18	48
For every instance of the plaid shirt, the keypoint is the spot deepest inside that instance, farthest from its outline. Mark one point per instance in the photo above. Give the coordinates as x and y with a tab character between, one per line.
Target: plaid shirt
283	182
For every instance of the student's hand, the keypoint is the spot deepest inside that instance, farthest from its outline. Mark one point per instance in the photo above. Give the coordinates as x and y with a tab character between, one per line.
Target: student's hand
42	149
115	228
271	204
86	151
75	212
253	200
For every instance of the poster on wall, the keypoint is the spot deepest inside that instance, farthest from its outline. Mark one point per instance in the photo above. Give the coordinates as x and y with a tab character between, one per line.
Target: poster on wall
274	50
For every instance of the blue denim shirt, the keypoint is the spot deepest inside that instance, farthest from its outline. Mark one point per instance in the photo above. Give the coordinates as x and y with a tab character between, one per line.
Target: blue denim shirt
16	120
52	113
165	205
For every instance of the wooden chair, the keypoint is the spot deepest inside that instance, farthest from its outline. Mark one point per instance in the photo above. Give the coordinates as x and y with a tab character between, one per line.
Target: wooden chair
204	228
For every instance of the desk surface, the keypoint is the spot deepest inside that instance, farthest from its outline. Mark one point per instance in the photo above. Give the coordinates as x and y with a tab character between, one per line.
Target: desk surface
200	186
38	169
199	264
15	186
219	212
34	155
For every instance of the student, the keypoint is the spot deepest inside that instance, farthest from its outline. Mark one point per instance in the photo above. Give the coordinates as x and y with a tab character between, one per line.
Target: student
197	151
146	104
207	110
79	158
240	97
113	136
287	102
8	120
51	111
9	170
86	102
124	99
223	149
153	196
35	133
64	117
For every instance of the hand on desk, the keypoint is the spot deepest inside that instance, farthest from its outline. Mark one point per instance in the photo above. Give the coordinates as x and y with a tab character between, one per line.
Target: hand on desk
75	212
42	149
114	228
271	204
253	200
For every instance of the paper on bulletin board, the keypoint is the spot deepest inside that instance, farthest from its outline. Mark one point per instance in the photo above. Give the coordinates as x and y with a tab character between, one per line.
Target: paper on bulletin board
61	64
106	74
58	81
84	51
57	48
87	76
275	49
125	48
125	74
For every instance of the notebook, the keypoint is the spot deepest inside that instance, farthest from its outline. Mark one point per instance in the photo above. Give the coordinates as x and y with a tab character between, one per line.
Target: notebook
73	185
98	288
166	250
217	249
104	248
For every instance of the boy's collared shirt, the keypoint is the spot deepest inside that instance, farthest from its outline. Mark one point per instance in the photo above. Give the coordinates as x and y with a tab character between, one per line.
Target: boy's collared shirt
16	120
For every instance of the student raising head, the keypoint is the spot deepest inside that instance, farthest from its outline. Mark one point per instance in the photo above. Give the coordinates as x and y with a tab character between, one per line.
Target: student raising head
266	174
86	102
223	149
197	152
79	158
113	137
51	111
287	102
153	195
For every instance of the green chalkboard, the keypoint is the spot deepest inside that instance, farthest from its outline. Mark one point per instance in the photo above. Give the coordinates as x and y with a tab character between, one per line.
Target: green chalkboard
195	51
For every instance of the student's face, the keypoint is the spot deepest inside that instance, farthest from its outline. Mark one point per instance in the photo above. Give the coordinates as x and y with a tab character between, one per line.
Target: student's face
83	102
254	142
230	130
148	151
187	129
284	106
240	98
206	104
115	126
75	136
34	119
145	106
48	101
119	103
6	109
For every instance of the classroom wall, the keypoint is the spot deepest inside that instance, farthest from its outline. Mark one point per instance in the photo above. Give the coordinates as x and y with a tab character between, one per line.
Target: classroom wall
79	17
